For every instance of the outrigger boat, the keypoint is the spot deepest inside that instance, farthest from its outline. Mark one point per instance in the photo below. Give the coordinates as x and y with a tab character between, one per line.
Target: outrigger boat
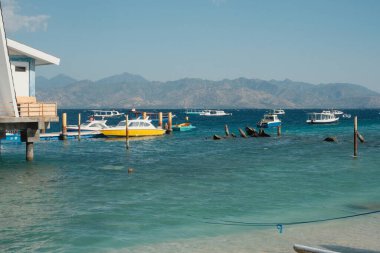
136	128
183	127
269	120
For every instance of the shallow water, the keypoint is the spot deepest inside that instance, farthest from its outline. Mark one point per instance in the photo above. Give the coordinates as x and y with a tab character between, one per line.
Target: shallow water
79	197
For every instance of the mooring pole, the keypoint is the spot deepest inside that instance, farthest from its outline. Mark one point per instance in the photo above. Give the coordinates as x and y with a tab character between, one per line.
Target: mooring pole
160	119
170	122
79	119
279	131
355	136
64	126
126	132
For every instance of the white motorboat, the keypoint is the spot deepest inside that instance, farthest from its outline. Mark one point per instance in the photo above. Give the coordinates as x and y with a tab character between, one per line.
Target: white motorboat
215	113
346	116
324	117
269	120
335	112
94	123
278	112
194	111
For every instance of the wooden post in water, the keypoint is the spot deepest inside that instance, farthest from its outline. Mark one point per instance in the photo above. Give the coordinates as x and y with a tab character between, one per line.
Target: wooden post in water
79	122
355	136
170	122
144	115
64	126
126	132
279	130
226	130
160	119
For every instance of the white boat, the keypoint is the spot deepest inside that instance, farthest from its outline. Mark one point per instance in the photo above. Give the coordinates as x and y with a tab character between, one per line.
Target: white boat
215	113
94	123
269	120
91	124
335	112
346	116
106	114
194	111
278	112
324	117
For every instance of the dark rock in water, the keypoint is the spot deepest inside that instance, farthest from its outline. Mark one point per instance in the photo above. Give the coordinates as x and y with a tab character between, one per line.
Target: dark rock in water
251	131
217	137
263	134
331	139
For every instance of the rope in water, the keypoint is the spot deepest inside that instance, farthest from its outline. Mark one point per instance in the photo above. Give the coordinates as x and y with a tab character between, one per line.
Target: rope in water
280	225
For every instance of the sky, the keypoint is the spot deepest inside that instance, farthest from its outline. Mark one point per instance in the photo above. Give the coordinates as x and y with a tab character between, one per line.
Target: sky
316	41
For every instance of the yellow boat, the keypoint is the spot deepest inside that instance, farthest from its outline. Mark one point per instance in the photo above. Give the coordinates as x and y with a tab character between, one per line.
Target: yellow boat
136	128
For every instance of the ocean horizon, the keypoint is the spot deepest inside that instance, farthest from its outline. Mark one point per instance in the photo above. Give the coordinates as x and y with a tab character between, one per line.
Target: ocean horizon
190	193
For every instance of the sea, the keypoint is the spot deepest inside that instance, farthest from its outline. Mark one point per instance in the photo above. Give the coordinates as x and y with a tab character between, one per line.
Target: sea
188	192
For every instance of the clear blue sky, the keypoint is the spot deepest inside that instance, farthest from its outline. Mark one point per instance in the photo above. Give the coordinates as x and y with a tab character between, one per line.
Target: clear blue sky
318	41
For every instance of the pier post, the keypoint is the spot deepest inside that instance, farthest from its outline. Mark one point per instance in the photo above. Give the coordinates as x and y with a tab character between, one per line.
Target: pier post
226	130
355	136
79	122
279	131
29	151
144	115
170	122
126	132
160	119
64	127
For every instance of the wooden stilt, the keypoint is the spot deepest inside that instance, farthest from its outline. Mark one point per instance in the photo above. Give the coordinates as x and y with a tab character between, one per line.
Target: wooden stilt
279	131
355	136
29	151
242	134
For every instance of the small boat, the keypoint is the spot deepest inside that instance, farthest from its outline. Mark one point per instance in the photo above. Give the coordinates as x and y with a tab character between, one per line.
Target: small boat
215	113
194	111
91	124
324	117
183	127
335	112
97	121
106	114
136	128
346	116
278	112
269	120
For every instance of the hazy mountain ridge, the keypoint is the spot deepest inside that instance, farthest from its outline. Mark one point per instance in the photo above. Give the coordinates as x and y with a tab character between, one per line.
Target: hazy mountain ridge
127	91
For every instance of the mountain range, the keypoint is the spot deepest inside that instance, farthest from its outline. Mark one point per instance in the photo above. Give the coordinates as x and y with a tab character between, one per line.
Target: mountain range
128	91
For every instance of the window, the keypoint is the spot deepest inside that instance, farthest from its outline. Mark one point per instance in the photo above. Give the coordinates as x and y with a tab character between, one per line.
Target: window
20	69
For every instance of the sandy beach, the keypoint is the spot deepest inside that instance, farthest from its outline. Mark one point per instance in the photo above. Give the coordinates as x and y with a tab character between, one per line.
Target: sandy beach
356	235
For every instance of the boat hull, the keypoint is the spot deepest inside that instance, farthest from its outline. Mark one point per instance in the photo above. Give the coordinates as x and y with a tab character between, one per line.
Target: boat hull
322	121
182	128
132	132
269	124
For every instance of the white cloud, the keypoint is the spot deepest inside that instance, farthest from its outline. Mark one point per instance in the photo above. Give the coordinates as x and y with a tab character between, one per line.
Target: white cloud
13	21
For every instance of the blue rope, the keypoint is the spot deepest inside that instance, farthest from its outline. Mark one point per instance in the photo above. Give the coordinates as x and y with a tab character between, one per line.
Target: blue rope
280	226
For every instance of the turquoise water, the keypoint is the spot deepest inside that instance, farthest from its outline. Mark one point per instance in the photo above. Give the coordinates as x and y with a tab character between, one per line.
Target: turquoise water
79	197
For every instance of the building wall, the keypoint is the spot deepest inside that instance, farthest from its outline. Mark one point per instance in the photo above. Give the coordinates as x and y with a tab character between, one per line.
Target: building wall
23	72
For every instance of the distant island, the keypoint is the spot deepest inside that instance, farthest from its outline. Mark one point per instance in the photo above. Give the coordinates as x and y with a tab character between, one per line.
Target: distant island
128	91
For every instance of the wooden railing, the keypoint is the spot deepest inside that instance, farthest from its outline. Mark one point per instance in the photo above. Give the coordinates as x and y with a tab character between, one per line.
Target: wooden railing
37	109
